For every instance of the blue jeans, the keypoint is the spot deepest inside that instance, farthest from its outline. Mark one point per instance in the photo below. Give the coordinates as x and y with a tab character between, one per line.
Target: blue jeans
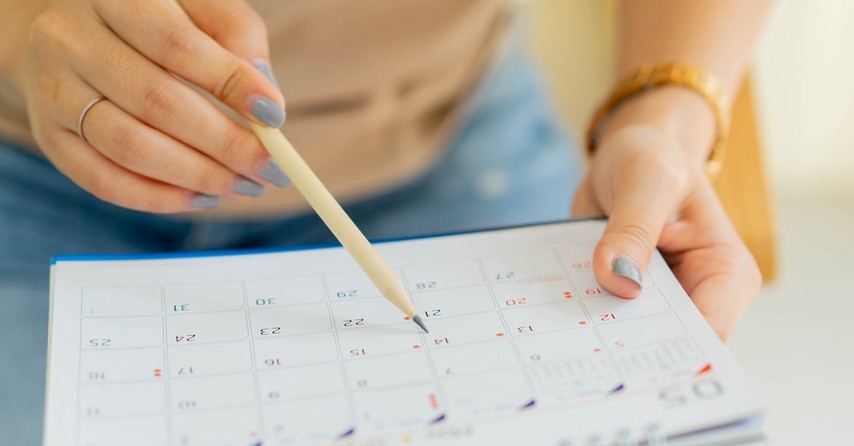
508	163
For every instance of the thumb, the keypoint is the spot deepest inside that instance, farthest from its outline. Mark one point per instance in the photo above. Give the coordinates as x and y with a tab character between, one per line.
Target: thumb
641	207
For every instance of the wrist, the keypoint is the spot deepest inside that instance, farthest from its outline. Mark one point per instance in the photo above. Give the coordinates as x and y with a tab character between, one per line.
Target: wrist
673	112
676	112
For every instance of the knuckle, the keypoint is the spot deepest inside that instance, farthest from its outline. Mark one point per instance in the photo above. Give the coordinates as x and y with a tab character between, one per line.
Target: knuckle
159	101
637	237
229	81
203	183
47	91
52	33
50	86
131	148
45	27
666	169
207	180
232	149
179	44
676	177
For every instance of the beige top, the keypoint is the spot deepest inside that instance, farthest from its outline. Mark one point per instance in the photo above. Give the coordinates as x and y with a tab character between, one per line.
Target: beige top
372	88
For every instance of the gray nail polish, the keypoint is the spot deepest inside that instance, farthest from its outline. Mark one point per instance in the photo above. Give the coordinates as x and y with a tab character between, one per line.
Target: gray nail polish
274	174
268	112
626	267
202	201
266	71
249	188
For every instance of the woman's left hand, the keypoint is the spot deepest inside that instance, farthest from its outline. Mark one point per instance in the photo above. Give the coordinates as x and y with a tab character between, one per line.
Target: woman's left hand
656	195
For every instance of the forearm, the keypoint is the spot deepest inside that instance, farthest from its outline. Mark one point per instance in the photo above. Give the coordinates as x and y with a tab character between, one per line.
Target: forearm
714	35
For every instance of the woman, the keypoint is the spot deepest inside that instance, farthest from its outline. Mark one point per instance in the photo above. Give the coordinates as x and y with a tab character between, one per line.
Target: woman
115	124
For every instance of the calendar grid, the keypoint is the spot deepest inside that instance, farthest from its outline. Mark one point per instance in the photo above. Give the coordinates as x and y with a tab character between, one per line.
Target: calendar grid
341	366
530	324
506	326
434	374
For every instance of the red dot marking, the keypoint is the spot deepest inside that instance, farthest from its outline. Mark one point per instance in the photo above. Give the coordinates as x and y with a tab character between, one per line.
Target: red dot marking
406	318
582	322
499	334
416	346
252	434
597	349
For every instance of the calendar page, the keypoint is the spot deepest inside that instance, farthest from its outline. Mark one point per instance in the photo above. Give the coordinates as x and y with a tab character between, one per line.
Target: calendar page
298	347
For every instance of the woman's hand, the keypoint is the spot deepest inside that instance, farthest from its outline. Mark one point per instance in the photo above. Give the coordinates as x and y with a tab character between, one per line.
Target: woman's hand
656	193
154	144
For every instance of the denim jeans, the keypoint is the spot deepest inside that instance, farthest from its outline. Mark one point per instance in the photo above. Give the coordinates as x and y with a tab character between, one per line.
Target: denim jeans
509	162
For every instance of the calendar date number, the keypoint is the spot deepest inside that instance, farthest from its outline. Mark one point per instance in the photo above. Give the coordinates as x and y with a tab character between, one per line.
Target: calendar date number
353	322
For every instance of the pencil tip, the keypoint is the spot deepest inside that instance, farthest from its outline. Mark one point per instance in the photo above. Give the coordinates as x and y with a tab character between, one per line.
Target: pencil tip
417	320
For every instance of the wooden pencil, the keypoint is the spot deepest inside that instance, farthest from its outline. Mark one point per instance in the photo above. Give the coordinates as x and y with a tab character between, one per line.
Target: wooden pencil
322	201
333	215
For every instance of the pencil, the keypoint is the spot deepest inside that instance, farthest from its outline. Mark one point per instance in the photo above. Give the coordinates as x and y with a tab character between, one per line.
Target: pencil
336	219
333	215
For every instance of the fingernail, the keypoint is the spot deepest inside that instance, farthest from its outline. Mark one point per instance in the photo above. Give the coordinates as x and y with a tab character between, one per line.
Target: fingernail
265	69
249	188
268	111
626	267
272	172
202	201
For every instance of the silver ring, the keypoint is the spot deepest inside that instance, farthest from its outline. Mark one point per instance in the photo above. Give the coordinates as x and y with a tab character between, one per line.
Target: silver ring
83	116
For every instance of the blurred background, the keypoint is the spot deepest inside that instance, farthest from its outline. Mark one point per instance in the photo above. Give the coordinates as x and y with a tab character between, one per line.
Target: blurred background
788	186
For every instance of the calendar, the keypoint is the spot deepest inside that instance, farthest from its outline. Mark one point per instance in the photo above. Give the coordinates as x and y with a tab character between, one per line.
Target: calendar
297	347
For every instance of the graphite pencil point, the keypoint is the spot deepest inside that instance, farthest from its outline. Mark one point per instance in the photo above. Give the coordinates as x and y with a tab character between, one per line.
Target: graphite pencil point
417	320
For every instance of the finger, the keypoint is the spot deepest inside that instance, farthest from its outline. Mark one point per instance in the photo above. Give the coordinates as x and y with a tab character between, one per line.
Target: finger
722	298
644	196
157	99
235	26
112	183
145	150
148	152
721	276
163	33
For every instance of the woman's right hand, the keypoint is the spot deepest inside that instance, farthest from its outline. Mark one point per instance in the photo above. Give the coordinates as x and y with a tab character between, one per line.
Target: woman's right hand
154	144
